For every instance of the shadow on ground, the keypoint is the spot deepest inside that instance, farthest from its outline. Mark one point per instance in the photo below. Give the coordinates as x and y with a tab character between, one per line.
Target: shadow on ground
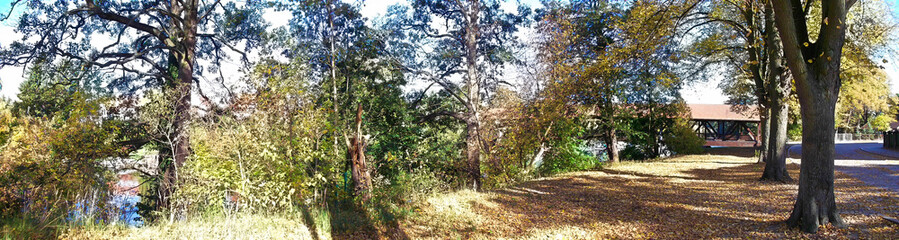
725	202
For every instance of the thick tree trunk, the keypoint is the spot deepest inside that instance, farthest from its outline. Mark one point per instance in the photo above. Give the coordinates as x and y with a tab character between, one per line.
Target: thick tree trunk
361	177
815	64
815	204
185	54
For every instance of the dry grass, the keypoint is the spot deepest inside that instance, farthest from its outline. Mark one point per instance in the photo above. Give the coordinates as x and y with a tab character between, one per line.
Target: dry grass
687	197
242	226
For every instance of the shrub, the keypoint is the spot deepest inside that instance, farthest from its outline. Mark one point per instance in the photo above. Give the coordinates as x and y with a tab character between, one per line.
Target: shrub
681	139
52	170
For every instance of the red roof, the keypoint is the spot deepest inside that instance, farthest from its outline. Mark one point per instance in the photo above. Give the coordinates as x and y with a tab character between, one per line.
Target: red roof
722	112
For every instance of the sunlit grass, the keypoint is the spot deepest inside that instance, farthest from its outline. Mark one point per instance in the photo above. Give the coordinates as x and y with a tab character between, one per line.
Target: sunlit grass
238	226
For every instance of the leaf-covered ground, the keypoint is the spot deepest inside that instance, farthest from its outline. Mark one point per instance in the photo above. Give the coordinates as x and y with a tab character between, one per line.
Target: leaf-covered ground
689	197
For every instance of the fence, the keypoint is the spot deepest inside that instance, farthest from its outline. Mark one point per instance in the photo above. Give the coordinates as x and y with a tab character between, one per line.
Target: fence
848	137
891	139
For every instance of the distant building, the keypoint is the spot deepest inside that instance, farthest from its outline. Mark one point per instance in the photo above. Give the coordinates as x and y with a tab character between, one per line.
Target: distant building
726	125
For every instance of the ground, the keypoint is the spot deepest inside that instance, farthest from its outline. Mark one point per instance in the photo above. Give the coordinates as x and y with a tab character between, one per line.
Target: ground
688	197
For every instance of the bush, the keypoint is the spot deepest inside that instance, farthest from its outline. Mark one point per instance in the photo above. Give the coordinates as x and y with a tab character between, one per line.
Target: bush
681	139
52	171
259	163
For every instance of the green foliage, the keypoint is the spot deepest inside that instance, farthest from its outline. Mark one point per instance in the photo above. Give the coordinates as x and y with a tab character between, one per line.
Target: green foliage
650	125
881	122
50	167
681	139
794	131
567	156
261	157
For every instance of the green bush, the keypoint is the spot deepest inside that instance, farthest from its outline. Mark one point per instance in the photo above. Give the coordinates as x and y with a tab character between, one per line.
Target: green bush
681	139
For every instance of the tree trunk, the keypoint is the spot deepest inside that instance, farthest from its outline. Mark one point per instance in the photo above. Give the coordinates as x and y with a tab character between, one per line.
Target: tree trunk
764	126
361	177
612	147
185	55
778	88
472	141
815	64
775	167
815	204
473	154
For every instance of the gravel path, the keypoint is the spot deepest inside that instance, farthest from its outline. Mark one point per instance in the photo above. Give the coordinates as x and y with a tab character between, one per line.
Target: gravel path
874	170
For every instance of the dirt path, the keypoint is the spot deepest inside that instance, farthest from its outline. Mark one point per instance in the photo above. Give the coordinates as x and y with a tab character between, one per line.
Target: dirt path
690	197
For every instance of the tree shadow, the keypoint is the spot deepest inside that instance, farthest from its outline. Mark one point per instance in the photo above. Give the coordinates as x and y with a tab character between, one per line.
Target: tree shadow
585	201
351	222
732	151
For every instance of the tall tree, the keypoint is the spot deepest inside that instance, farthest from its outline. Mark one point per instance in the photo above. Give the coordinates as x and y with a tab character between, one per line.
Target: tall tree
357	78
468	39
740	35
815	67
777	88
154	44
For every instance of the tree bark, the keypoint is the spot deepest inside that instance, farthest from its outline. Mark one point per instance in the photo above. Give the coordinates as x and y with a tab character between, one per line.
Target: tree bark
777	88
764	126
361	177
816	68
775	167
184	54
472	142
815	204
612	146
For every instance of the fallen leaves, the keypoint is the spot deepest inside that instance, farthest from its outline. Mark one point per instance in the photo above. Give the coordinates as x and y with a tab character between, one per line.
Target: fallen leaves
690	197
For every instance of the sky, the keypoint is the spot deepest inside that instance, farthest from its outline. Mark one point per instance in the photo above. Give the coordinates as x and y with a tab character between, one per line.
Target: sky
697	92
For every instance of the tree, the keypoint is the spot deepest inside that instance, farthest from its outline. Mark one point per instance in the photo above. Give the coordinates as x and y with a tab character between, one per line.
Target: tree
816	70
358	78
740	35
471	39
881	122
864	93
778	87
611	60
155	44
49	90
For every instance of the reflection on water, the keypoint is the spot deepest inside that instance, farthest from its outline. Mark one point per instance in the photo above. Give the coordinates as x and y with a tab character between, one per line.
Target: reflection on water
121	207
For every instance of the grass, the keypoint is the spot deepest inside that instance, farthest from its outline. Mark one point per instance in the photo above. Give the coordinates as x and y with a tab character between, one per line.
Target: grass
239	226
